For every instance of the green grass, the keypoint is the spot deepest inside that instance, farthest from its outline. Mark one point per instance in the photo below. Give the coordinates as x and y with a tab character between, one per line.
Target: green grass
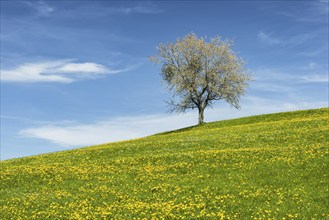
260	167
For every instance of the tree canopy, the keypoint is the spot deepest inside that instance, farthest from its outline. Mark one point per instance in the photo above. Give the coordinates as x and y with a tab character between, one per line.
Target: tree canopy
198	73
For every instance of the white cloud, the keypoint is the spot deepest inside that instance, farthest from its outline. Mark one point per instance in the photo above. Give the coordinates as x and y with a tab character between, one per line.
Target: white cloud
109	130
271	87
315	78
321	7
300	38
310	66
123	128
140	9
135	8
82	68
126	9
271	74
268	39
280	76
61	71
42	8
315	12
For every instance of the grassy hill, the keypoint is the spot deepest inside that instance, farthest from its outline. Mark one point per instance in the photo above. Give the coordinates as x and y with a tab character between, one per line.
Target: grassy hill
267	166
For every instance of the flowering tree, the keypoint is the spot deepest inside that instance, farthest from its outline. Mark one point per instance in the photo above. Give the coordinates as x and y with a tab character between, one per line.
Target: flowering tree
198	73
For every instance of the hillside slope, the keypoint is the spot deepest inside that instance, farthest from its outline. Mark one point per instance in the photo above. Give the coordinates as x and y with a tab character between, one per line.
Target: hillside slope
256	167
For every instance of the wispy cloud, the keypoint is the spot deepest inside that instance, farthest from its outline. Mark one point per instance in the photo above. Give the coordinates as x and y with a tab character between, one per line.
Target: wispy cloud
146	7
41	7
123	128
108	9
269	86
287	80
267	38
115	129
139	9
315	78
289	76
310	66
320	7
273	74
313	52
314	12
60	71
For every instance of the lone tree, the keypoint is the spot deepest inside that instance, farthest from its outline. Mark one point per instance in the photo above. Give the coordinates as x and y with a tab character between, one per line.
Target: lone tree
199	73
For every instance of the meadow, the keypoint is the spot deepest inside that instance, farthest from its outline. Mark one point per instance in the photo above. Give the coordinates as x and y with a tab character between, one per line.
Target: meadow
262	167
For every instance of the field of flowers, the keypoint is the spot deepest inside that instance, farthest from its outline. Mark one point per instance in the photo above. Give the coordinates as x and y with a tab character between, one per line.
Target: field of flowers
262	167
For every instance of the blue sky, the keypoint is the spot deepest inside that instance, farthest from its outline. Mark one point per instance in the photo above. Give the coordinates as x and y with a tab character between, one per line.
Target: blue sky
75	73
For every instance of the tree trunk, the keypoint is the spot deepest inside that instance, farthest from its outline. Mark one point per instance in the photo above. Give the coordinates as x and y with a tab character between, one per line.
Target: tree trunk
201	117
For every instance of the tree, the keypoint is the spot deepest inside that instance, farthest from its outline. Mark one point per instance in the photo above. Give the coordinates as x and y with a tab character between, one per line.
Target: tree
198	73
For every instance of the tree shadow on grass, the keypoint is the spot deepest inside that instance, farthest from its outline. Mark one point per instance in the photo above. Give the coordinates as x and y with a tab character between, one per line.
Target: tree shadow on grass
181	130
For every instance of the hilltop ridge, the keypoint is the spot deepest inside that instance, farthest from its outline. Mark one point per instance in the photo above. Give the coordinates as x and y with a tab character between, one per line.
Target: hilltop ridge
266	166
